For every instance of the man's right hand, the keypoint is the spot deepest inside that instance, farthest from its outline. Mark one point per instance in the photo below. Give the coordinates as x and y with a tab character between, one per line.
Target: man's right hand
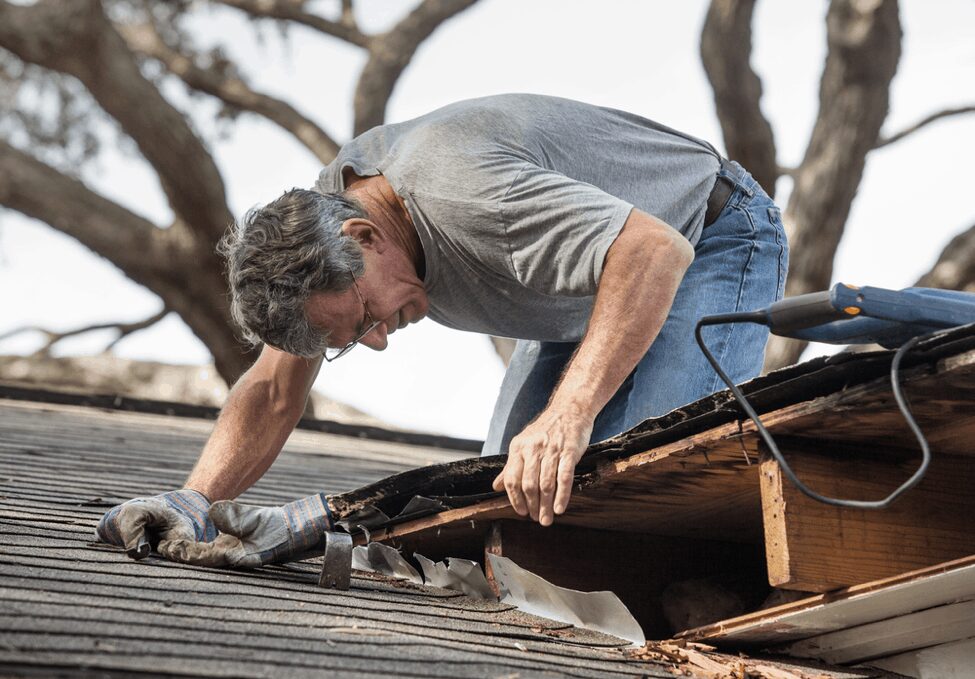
176	515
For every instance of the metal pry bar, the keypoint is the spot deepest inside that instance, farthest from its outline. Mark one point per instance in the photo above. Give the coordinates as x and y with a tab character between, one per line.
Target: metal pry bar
337	565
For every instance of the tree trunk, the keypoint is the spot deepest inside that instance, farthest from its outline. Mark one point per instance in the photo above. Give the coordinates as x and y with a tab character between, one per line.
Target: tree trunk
864	40
726	45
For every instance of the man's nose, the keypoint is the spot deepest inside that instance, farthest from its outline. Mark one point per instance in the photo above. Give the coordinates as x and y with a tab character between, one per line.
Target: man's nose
377	339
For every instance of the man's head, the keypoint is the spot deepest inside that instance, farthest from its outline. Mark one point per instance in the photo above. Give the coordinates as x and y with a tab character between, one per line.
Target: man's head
291	266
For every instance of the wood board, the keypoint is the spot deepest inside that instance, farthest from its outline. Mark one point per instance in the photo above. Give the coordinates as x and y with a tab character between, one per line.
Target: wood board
946	583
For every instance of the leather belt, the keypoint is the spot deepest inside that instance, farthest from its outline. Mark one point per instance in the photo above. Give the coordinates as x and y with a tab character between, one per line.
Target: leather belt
720	193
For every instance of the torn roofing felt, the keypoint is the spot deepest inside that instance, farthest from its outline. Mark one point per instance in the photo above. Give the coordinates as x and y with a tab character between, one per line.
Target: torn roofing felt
465	482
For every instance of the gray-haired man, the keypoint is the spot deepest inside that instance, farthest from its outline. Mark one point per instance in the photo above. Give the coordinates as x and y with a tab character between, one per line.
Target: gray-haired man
593	236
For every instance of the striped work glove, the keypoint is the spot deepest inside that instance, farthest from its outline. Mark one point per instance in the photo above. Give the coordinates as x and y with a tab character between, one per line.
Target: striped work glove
252	536
139	523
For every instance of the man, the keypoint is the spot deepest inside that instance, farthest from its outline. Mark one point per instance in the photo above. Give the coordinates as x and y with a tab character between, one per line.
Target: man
595	237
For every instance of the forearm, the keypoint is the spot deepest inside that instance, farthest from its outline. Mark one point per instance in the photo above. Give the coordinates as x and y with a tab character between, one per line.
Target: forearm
641	274
259	415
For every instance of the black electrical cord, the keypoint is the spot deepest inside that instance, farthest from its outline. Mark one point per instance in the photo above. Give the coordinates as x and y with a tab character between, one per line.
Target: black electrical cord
761	318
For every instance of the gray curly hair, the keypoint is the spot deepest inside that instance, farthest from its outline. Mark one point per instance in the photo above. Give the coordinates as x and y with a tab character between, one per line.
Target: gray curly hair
281	253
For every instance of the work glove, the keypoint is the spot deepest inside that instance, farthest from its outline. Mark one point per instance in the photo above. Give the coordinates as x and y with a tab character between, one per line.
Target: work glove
252	536
139	523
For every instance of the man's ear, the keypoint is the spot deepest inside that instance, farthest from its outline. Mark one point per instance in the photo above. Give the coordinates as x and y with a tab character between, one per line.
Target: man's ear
365	233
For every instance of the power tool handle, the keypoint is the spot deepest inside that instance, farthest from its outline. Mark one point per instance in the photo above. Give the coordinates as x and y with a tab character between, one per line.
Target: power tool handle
803	311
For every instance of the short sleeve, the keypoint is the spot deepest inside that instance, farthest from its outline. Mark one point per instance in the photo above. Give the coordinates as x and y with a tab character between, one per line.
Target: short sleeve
559	230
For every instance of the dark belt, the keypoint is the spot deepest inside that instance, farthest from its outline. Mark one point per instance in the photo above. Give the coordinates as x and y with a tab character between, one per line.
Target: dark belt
720	193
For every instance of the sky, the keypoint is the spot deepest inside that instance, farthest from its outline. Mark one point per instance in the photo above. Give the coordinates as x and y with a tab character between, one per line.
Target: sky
636	55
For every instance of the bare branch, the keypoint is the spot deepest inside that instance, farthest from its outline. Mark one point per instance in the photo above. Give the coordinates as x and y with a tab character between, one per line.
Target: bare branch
726	45
288	10
144	39
110	230
348	15
924	122
75	37
391	52
864	48
955	268
171	262
123	329
782	170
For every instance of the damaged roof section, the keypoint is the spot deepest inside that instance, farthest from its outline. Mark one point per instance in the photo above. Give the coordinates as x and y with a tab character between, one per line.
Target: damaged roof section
691	502
70	607
468	482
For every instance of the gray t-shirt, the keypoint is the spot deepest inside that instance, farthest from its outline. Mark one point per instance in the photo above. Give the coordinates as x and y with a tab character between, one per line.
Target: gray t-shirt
517	198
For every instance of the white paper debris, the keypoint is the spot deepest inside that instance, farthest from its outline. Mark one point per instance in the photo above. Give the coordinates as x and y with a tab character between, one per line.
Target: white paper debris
378	558
461	575
599	611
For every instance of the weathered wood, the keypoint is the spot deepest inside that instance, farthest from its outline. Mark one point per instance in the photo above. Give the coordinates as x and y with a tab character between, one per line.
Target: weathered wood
636	567
847	608
816	547
705	485
930	627
945	661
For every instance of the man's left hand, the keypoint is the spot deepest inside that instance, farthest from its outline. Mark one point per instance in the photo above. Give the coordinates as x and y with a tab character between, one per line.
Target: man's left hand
541	464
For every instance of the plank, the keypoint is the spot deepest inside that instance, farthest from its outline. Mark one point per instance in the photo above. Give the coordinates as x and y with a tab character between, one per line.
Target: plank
843	609
930	627
947	661
815	547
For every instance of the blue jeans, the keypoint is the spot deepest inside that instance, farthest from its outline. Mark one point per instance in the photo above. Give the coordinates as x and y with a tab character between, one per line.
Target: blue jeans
740	264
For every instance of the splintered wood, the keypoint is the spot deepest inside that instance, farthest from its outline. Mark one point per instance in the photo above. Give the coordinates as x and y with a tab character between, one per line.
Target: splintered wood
698	660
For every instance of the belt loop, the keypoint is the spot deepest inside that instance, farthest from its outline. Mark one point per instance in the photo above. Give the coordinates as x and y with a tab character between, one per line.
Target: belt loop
736	174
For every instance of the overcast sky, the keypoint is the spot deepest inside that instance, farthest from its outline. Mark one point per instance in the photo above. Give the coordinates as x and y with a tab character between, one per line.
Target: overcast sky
638	55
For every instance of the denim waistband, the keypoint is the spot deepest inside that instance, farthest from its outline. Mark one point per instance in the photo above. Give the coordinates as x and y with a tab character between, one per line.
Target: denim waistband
739	177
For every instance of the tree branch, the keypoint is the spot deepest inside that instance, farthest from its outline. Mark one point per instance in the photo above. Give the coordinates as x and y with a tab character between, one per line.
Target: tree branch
289	10
391	52
123	329
955	268
348	15
37	190
75	37
144	39
171	262
726	45
864	48
924	122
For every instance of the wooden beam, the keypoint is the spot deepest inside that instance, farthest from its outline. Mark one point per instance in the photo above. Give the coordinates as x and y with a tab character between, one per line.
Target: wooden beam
847	608
930	627
811	546
636	567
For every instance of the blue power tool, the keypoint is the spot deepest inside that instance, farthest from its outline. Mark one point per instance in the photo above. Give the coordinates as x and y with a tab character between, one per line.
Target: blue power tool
851	315
847	314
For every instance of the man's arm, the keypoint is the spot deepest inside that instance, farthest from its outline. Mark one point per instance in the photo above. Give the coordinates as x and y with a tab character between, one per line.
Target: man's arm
261	411
641	274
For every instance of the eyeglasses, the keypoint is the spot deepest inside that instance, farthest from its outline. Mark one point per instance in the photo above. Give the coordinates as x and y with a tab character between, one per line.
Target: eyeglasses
332	354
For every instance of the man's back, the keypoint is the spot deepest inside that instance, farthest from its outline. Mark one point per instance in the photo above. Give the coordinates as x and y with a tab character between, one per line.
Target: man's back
517	198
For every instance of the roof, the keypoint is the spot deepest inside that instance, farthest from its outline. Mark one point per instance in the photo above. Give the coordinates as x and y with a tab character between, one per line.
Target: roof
85	608
72	607
695	495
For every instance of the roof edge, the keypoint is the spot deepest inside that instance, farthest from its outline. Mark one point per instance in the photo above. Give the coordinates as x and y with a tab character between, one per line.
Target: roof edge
188	410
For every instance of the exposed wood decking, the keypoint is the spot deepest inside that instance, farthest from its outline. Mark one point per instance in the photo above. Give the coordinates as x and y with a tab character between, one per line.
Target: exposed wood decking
718	484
